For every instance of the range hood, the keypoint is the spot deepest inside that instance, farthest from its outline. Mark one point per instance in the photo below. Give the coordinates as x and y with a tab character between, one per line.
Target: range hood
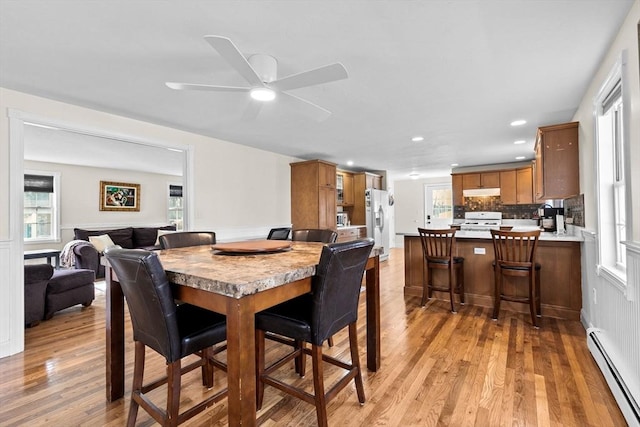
480	192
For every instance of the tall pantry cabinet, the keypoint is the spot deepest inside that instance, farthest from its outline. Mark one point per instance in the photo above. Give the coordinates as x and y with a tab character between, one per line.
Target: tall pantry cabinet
313	194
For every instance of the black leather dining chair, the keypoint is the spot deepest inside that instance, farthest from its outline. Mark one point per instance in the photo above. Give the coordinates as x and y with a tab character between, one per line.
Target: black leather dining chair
314	235
184	239
281	233
174	331
312	318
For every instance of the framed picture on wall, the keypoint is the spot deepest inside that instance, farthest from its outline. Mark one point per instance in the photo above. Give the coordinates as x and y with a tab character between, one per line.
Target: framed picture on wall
119	196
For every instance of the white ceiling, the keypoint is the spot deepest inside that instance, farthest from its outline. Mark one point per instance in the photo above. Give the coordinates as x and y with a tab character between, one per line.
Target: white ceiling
456	72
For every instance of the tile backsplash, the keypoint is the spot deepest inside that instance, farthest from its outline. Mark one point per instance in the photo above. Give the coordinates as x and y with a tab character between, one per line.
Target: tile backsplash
573	206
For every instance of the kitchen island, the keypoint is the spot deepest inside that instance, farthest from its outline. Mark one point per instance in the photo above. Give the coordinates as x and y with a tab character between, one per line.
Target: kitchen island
560	276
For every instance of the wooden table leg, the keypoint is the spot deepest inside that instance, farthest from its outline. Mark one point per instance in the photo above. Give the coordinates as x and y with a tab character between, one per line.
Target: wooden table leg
115	337
241	365
373	313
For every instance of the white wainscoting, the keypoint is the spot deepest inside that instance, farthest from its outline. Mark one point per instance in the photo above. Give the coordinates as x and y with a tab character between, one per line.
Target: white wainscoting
12	302
615	313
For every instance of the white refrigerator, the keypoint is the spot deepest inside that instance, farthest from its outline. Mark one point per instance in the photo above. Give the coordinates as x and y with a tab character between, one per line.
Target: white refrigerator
376	204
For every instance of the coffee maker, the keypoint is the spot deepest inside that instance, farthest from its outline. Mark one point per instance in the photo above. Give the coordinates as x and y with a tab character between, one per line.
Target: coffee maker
549	219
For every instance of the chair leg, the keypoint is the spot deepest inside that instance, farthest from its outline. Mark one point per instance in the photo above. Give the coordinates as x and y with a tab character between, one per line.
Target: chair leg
460	282
301	361
173	392
425	284
136	387
532	299
539	300
318	385
355	360
330	341
207	367
497	292
260	367
451	289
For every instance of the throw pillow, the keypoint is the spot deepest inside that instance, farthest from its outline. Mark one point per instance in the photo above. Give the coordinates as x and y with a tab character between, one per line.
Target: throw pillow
160	233
101	242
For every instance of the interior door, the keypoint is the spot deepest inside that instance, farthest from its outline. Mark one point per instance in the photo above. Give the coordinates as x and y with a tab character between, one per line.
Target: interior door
438	205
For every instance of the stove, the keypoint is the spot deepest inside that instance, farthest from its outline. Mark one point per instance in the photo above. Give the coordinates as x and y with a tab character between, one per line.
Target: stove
481	221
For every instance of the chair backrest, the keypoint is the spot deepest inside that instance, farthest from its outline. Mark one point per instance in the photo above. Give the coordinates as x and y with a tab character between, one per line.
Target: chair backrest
515	249
314	235
336	287
279	233
187	238
437	245
150	300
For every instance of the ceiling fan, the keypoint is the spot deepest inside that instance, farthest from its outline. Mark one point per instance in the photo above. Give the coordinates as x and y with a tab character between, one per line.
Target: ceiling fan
260	71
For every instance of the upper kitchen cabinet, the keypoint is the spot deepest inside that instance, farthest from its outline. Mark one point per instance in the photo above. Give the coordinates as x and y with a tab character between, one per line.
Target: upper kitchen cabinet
344	187
456	188
557	173
516	186
313	194
472	181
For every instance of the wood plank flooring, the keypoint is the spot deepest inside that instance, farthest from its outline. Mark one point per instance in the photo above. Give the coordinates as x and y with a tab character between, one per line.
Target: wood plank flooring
438	369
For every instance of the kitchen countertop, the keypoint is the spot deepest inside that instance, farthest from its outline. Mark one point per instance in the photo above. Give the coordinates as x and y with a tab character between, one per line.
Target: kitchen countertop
570	236
347	227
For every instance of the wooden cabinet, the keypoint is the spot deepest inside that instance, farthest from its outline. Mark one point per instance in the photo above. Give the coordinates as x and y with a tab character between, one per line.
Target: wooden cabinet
557	162
524	186
472	181
456	188
516	186
345	190
313	194
351	233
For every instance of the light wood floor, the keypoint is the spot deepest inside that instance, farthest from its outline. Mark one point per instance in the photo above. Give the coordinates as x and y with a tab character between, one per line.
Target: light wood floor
438	368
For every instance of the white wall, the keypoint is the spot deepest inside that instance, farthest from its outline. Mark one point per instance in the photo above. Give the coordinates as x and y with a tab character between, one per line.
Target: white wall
237	190
605	305
409	205
80	197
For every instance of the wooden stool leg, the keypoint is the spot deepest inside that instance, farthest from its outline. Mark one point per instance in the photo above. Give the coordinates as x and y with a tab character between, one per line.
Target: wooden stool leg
451	288
425	284
532	298
539	300
497	292
460	282
318	385
173	392
136	388
355	360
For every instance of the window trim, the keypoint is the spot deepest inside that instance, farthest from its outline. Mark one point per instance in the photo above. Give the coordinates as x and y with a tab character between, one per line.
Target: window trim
618	73
55	223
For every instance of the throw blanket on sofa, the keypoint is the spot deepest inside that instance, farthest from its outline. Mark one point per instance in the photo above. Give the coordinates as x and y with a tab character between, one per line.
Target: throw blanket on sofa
67	257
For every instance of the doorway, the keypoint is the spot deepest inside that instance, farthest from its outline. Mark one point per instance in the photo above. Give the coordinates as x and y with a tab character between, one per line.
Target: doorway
438	205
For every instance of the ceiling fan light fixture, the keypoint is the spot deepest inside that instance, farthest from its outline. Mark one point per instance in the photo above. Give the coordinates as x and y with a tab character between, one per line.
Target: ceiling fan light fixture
263	94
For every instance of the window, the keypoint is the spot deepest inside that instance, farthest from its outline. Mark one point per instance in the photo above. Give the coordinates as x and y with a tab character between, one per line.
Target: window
175	206
611	174
41	222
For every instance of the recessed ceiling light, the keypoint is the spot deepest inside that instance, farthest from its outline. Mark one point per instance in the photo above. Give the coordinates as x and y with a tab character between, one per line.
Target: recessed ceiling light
454	164
414	175
520	158
417	138
518	122
520	141
349	162
263	94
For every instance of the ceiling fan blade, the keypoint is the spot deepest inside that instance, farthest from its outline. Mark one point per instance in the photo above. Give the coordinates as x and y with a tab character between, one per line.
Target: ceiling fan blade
328	73
194	86
309	108
234	57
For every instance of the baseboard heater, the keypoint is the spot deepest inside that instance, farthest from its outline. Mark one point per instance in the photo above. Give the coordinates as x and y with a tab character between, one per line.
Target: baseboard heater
627	403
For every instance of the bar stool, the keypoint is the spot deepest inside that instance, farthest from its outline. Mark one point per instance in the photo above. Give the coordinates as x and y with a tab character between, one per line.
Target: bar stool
438	247
515	256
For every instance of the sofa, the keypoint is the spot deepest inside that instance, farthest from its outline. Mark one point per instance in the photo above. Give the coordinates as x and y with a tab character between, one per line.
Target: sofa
36	278
47	290
88	257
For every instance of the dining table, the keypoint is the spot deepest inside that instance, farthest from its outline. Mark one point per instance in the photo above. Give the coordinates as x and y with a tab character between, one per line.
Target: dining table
238	285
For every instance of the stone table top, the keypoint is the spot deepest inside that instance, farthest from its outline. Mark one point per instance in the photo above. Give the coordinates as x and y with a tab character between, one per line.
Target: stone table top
240	275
